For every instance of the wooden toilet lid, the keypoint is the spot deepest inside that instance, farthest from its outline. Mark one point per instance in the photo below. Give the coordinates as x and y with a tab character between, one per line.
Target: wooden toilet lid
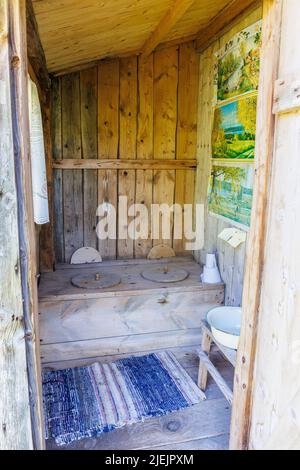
96	280
165	273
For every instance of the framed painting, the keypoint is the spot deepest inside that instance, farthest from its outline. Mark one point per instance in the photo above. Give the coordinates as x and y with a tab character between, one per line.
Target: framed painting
234	128
230	192
238	63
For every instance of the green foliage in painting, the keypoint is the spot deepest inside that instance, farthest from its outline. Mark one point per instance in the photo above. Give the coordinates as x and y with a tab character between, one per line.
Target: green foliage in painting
230	192
234	127
238	67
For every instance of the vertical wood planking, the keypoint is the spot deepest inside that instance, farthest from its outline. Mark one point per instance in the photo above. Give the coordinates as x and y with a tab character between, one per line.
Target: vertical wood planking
15	430
88	105
186	137
128	108
72	179
21	400
205	117
267	371
144	178
187	101
56	133
46	239
108	142
165	123
127	149
136	117
238	275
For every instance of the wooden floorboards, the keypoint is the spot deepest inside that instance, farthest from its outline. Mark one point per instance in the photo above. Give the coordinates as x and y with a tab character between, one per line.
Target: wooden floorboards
202	427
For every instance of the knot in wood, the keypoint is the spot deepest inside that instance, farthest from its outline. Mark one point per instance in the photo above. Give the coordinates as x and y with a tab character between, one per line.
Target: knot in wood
173	426
15	60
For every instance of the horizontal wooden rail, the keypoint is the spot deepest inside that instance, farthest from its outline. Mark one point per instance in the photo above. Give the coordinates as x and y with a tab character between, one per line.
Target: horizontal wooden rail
114	164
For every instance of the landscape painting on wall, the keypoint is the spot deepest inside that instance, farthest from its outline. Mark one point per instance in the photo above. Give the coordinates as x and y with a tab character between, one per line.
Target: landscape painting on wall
234	127
230	192
238	63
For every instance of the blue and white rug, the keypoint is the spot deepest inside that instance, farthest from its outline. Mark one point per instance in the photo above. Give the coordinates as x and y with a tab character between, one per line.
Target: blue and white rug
87	401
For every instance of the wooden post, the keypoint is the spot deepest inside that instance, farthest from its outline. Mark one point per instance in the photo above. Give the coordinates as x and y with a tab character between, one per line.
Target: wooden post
21	424
205	347
275	410
39	74
241	412
46	235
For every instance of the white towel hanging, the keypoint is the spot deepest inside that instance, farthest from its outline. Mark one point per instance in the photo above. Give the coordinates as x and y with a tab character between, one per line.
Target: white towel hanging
38	164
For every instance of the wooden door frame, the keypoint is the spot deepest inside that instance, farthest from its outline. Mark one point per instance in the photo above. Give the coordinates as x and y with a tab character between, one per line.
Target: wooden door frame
244	372
19	322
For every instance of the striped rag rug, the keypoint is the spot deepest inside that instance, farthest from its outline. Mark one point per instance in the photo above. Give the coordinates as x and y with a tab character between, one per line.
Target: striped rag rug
87	401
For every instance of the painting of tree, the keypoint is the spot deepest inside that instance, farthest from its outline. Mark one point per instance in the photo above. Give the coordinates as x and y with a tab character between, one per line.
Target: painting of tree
247	114
238	64
230	192
234	127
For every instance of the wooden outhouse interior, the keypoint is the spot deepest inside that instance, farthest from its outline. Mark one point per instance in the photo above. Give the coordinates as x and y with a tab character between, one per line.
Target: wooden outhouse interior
126	90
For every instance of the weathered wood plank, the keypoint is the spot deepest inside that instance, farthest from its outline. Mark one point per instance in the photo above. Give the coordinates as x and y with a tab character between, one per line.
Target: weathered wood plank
20	404
39	74
124	315
165	122
72	180
125	318
108	142
143	195
275	398
286	94
58	286
144	178
56	134
46	252
128	108
28	269
186	135
205	347
187	356
113	345
108	109
255	255
89	140
91	164
15	432
145	108
121	262
209	443
204	359
184	194
128	138
165	102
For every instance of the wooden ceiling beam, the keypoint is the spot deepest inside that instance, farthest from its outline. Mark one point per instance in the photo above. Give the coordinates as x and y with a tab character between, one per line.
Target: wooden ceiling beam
223	19
35	51
173	15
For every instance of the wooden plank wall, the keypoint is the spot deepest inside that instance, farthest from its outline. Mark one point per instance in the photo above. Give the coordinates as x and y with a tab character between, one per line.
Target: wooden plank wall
21	402
128	108
275	412
231	261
